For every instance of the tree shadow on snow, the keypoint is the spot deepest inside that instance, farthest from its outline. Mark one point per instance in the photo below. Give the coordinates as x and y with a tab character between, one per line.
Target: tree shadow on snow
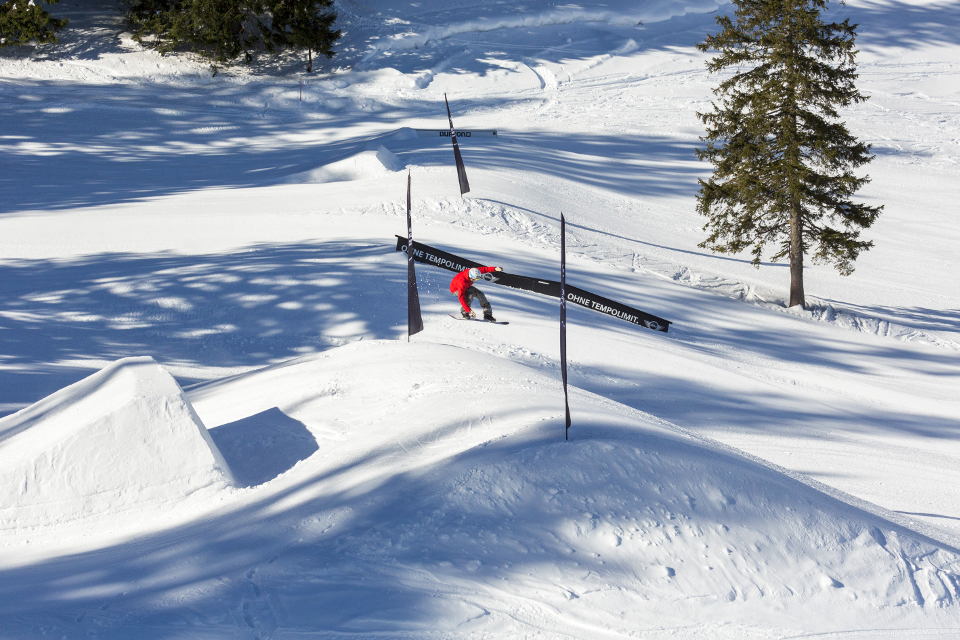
347	551
93	31
239	309
921	318
72	145
884	24
69	144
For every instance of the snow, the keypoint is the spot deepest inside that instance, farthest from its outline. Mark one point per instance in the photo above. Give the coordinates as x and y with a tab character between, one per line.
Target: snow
205	374
120	441
366	164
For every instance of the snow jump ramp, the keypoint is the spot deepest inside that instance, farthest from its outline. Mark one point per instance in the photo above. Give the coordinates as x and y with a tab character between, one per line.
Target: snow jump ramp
122	438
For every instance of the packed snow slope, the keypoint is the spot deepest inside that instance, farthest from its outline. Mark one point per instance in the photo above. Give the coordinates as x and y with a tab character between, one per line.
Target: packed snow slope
756	472
440	500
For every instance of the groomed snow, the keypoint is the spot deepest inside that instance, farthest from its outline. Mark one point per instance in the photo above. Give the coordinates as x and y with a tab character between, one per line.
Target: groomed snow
757	472
123	442
366	164
441	501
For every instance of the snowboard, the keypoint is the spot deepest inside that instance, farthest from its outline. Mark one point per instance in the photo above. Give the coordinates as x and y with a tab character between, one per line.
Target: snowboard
479	320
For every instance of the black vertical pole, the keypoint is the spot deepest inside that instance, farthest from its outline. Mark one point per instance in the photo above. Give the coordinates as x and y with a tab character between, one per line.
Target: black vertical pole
414	319
563	323
461	169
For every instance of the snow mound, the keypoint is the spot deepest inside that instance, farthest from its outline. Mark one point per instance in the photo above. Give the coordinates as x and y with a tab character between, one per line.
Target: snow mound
459	476
657	517
121	438
371	163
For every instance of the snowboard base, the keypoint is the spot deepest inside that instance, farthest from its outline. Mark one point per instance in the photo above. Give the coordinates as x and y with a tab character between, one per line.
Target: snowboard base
479	320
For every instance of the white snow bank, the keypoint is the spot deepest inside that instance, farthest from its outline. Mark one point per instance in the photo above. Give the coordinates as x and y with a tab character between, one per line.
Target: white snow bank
366	164
123	437
459	476
441	500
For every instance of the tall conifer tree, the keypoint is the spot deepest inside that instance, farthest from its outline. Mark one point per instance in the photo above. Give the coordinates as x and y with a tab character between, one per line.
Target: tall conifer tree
305	25
783	160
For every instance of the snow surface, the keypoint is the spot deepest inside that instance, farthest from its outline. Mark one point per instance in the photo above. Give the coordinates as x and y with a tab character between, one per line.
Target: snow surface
757	472
124	438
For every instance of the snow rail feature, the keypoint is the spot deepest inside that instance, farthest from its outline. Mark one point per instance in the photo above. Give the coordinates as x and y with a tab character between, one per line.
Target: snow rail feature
451	262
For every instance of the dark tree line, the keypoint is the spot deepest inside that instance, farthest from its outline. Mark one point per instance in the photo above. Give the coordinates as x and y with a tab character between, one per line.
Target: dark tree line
26	22
223	31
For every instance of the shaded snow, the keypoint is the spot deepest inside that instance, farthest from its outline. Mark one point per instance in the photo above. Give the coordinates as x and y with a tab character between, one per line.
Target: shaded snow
439	500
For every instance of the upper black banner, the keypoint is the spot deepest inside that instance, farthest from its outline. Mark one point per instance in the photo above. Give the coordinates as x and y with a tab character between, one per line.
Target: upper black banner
445	260
460	133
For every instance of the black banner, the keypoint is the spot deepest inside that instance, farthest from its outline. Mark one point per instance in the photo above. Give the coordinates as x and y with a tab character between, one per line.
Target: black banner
460	133
563	323
437	257
457	158
414	318
445	260
615	309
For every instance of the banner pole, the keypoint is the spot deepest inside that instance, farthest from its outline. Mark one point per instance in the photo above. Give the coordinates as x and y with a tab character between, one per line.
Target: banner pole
457	157
414	318
563	324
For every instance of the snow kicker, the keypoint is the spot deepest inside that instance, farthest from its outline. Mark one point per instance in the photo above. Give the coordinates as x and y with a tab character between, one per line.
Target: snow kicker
445	260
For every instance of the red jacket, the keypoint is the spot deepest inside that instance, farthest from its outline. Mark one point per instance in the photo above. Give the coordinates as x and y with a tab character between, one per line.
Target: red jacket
461	282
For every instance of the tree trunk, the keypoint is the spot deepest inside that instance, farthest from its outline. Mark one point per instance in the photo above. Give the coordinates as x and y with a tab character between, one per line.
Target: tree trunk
796	260
796	201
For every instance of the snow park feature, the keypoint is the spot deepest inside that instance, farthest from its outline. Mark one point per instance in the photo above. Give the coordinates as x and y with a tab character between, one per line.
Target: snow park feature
366	164
758	472
122	440
446	260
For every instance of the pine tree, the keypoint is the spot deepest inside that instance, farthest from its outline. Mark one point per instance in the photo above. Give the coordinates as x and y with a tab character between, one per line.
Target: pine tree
26	22
305	24
223	30
214	29
150	16
783	161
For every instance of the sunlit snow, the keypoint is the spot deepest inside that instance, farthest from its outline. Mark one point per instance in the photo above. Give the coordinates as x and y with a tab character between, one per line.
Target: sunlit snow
214	425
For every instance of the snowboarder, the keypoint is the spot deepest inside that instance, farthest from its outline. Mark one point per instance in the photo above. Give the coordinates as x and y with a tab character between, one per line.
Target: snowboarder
462	287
